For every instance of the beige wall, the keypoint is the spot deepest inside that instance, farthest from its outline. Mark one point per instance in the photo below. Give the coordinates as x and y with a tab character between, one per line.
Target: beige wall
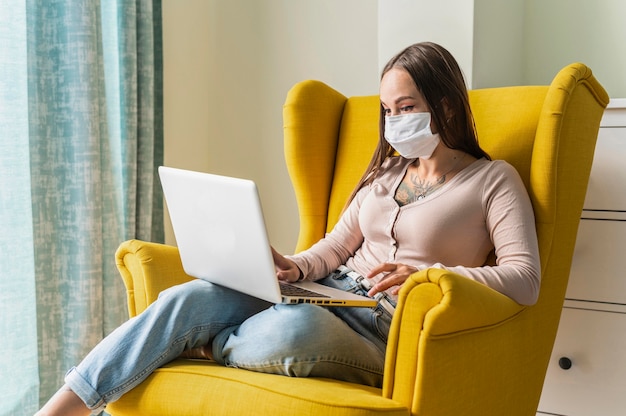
229	64
449	23
559	32
514	42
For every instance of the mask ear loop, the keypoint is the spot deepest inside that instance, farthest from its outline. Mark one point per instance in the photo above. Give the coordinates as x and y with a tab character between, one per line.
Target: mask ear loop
446	110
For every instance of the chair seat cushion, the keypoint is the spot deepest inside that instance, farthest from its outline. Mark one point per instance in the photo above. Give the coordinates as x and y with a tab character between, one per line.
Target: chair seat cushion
205	388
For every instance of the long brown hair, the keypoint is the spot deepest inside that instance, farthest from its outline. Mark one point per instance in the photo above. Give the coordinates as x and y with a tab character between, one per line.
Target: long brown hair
440	80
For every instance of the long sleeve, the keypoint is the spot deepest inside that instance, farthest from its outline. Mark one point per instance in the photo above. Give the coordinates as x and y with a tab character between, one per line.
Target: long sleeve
511	224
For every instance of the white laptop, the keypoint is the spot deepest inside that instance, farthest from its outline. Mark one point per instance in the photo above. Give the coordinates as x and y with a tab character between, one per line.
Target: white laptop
220	232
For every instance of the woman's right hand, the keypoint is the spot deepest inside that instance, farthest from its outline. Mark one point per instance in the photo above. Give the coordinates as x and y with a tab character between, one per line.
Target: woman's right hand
286	269
393	275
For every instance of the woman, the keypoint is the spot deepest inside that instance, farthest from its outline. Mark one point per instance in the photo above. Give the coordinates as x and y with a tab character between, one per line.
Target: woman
440	203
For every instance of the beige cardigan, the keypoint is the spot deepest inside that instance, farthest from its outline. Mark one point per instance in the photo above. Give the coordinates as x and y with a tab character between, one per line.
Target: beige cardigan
482	209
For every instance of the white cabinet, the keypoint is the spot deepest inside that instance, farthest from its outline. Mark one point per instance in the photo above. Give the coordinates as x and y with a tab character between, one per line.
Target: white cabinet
587	371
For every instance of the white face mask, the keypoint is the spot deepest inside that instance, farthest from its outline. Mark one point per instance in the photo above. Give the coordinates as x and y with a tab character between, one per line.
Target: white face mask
410	135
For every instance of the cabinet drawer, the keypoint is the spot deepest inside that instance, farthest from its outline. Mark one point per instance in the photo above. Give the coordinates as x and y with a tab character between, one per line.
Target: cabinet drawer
598	272
595	384
606	183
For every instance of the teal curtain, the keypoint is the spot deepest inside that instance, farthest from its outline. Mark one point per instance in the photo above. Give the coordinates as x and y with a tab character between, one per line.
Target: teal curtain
81	136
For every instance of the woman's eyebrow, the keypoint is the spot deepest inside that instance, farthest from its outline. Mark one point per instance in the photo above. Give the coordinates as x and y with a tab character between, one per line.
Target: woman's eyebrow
400	99
404	97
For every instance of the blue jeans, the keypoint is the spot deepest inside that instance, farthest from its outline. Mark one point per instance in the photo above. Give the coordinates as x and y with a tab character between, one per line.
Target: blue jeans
295	340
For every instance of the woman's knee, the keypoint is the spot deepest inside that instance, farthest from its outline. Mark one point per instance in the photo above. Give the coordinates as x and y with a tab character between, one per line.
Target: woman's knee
186	294
285	328
182	289
296	320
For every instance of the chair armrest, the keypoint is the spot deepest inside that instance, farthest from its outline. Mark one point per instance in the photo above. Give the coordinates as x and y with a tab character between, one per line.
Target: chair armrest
465	304
436	304
147	269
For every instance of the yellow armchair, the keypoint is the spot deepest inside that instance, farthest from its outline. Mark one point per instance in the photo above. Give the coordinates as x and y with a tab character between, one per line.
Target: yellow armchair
456	347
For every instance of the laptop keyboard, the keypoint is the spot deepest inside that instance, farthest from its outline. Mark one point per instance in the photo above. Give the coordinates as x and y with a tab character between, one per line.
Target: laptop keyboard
291	290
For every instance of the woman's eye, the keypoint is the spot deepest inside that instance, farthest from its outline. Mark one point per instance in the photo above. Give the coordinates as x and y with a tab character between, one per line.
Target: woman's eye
407	108
386	111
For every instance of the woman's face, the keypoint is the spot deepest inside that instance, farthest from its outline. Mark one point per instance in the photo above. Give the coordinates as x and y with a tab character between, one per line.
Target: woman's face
399	95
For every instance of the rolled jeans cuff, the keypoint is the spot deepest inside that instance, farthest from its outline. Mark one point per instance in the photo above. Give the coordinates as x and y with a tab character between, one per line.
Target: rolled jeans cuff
84	391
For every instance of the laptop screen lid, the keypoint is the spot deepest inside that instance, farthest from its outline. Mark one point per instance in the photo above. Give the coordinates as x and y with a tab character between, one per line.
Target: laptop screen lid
219	228
221	236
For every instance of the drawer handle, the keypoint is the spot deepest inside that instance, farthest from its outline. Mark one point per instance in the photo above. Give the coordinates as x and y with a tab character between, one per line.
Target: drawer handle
565	363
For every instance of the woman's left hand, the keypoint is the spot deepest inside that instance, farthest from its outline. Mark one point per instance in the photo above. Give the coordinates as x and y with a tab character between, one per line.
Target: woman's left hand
393	275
